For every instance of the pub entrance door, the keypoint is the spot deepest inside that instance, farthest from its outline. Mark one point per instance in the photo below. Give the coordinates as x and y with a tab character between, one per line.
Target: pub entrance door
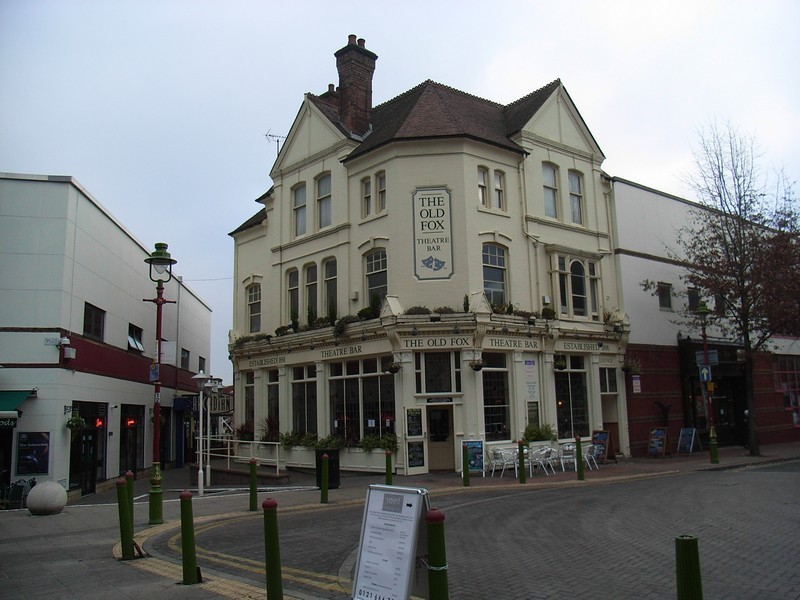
440	438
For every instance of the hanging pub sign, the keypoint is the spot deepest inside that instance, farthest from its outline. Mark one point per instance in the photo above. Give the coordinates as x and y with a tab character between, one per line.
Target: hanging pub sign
433	250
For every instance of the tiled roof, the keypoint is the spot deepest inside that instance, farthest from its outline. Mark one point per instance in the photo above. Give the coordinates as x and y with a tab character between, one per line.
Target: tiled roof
257	218
433	110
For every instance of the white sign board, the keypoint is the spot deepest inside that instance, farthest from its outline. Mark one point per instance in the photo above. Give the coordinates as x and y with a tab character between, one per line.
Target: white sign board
387	550
433	237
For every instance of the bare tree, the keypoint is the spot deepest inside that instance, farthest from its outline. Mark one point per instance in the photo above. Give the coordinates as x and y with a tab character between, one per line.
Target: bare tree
742	249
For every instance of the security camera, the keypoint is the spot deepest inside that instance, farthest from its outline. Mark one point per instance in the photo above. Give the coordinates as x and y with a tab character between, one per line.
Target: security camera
64	341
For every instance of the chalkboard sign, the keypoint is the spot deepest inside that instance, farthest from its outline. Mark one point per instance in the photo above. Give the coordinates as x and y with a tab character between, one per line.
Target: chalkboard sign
603	446
688	441
474	455
414	422
416	454
658	444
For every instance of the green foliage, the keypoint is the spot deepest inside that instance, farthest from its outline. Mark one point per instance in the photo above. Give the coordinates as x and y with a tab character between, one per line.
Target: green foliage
538	433
466	303
387	441
548	313
244	431
369	312
444	310
311	315
418	310
270	430
295	438
341	324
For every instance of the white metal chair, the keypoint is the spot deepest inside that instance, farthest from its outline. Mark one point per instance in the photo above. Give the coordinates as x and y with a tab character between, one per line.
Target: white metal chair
503	458
566	455
538	457
588	456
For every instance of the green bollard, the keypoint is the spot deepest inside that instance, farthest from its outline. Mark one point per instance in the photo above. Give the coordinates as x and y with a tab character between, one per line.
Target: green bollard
125	521
253	486
465	464
687	568
191	572
323	488
272	550
437	556
521	458
578	459
156	496
388	467
129	486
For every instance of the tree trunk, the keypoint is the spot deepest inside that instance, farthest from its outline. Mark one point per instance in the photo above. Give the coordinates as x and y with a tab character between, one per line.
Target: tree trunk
752	427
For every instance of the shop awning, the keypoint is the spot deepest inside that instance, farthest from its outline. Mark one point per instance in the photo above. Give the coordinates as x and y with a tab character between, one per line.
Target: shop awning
10	401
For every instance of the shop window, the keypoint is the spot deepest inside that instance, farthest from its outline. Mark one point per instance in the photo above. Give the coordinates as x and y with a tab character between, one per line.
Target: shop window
438	372
304	399
572	401
361	399
496	401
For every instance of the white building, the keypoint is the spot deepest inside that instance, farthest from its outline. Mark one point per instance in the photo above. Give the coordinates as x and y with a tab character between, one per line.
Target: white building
494	218
77	339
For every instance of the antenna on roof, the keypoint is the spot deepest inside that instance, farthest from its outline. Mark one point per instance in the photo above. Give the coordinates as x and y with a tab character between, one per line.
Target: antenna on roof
276	138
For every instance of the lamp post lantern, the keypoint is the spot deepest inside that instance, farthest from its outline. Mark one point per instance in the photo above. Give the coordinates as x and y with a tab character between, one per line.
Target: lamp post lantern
708	386
202	380
161	262
213	385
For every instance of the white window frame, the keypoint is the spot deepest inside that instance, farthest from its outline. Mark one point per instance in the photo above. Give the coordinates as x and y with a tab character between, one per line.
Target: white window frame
550	190
254	307
483	186
377	263
495	261
324	202
366	197
499	190
299	210
565	286
576	204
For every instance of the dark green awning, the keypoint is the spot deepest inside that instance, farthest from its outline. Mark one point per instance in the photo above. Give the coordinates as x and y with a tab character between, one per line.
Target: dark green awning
10	400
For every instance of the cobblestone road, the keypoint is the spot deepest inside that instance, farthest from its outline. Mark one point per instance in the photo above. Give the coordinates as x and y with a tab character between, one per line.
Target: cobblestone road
610	541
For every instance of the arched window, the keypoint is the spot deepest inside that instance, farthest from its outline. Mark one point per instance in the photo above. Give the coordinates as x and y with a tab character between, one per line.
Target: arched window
311	293
494	273
578	287
254	307
293	279
329	275
377	280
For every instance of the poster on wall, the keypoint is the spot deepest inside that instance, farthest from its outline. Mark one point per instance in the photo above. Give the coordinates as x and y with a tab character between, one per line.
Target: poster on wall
433	245
33	453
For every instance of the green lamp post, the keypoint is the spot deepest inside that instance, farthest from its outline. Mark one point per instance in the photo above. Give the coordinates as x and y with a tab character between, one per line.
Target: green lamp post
160	263
708	386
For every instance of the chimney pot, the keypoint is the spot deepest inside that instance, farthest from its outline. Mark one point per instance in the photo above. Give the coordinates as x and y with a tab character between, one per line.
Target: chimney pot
361	42
351	39
330	87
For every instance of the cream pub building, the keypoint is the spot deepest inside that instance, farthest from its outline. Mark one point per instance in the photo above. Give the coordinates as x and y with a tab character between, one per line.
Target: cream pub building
438	267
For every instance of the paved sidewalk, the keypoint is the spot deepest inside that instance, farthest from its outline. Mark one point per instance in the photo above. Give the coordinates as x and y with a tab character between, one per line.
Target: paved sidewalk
74	554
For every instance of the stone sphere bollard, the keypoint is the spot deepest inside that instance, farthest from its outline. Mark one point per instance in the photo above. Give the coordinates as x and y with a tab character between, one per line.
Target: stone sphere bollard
47	498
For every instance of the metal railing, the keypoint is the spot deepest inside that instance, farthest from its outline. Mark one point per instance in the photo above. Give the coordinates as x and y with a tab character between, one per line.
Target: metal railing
225	447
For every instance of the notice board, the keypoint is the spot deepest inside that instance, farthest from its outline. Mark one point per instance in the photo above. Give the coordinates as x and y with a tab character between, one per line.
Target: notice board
688	441
658	444
393	538
603	446
474	455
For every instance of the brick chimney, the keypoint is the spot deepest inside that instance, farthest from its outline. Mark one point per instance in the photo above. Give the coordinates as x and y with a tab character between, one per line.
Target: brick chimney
356	65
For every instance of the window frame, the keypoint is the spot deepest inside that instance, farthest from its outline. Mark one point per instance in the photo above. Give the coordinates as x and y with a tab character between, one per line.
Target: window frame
366	197
497	257
576	198
424	379
380	185
185	358
311	291
293	293
499	190
253	293
495	373
135	338
565	285
376	267
299	210
483	187
324	201
550	190
664	295
94	322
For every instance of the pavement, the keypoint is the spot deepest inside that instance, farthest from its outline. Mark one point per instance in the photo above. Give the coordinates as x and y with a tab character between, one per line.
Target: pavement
76	553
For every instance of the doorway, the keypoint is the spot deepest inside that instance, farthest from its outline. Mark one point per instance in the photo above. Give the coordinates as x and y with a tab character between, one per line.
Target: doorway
440	438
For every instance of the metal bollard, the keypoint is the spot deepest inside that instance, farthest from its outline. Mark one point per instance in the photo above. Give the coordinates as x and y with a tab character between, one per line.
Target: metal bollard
125	522
687	568
191	572
465	464
323	488
272	550
578	459
521	458
437	556
253	486
129	485
388	467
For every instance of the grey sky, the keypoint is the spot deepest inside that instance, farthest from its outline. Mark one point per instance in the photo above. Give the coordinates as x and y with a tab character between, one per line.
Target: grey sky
159	108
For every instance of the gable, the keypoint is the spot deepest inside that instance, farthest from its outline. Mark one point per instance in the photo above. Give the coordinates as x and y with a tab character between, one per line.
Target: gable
311	133
559	121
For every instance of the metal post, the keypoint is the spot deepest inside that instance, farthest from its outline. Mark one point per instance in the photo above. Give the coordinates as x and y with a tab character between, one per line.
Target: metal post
708	389
578	458
125	523
687	568
521	459
323	488
253	485
272	550
191	572
200	445
437	556
156	493
208	444
388	467
129	487
465	464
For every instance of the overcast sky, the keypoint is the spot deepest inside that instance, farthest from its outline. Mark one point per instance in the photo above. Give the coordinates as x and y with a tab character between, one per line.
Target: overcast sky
160	108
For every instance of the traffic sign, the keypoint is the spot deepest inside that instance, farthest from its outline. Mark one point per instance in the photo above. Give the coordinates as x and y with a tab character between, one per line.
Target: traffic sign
705	373
700	358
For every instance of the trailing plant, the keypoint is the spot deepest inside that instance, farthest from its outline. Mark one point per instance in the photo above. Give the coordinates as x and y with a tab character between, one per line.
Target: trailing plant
295	438
418	310
342	323
548	313
76	422
538	433
311	315
444	310
241	341
465	304
631	365
331	441
282	330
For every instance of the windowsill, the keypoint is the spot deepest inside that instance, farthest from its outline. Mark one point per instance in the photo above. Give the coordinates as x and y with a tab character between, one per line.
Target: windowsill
493	211
374	217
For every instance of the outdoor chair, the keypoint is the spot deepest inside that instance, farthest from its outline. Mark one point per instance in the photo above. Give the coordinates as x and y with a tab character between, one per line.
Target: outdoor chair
566	455
539	458
503	458
588	456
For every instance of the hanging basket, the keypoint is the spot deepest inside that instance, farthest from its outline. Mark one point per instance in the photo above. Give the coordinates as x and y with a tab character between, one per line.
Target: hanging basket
76	422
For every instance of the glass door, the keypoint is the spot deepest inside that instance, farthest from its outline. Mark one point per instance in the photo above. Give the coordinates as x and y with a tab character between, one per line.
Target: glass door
416	442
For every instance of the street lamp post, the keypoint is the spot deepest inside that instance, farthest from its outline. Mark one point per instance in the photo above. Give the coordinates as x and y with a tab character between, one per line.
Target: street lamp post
708	387
213	384
161	262
202	380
